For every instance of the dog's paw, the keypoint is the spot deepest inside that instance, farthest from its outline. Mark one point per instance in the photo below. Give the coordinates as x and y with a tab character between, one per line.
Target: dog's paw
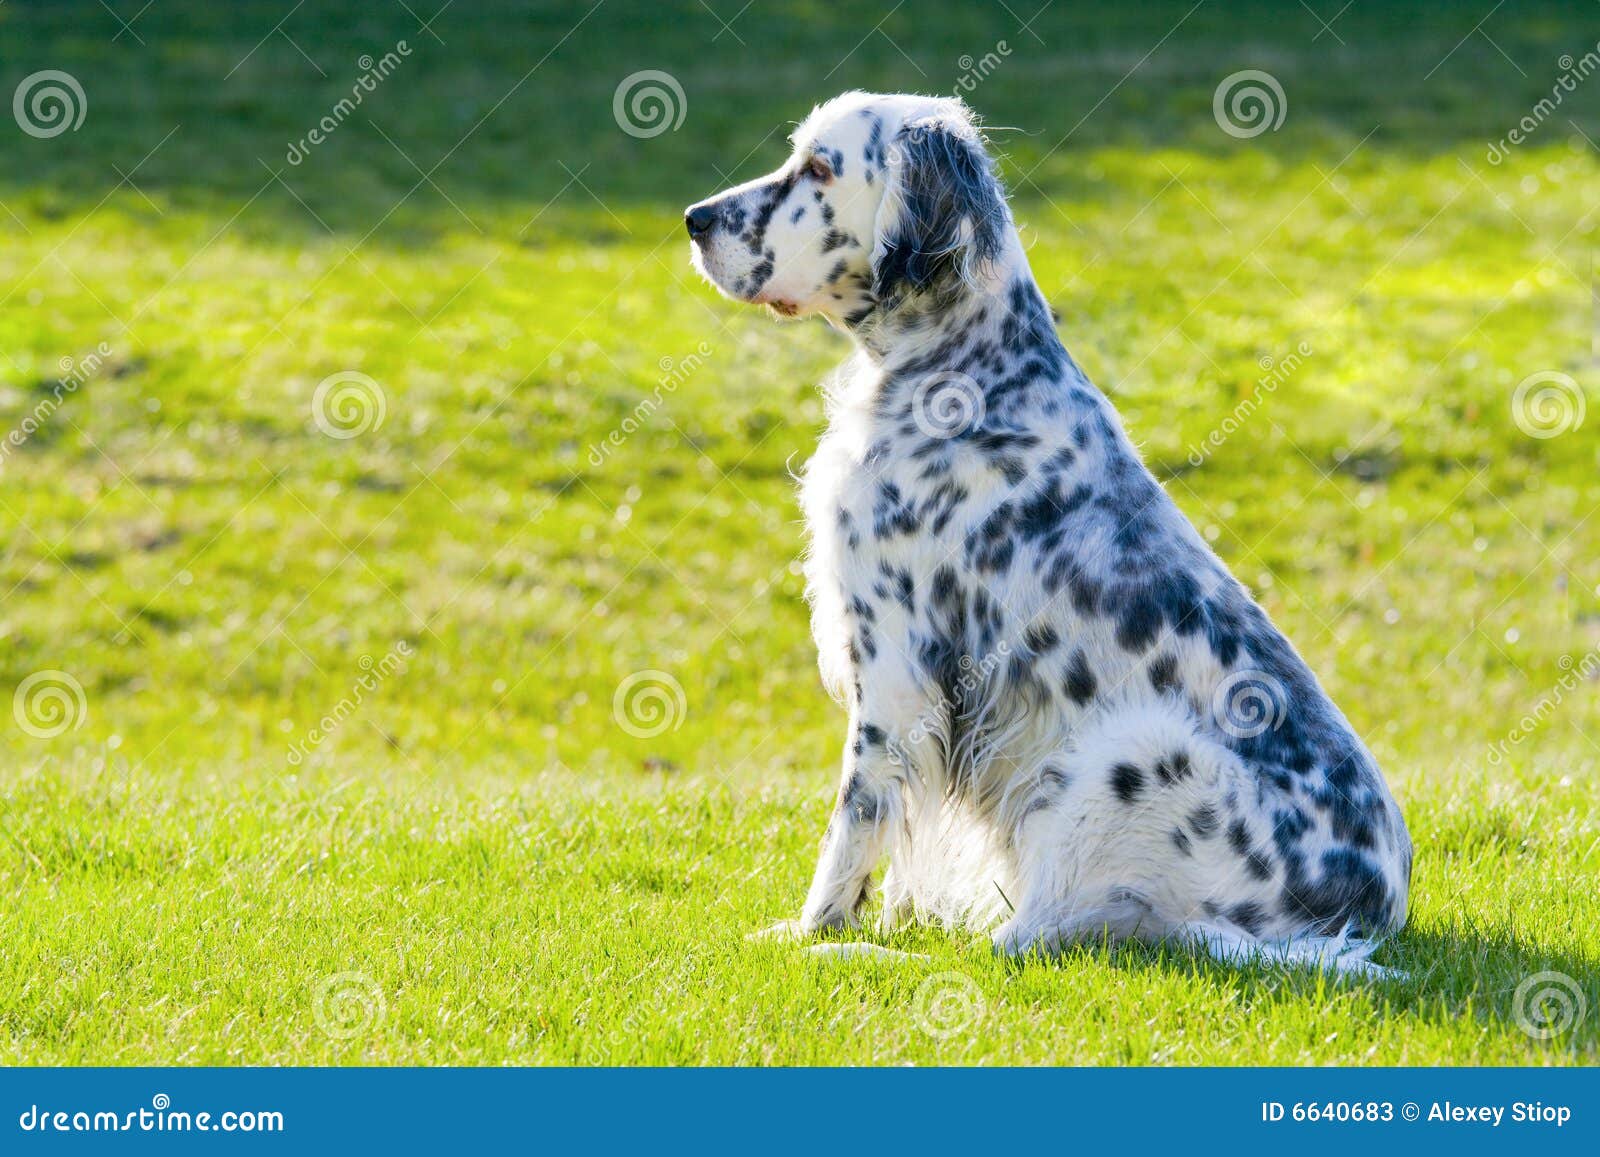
1016	939
861	950
783	930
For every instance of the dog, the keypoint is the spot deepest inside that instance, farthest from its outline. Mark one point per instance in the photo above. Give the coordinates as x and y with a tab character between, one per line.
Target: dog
1067	720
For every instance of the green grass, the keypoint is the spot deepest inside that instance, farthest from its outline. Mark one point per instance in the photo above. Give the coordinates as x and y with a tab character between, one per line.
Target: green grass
515	877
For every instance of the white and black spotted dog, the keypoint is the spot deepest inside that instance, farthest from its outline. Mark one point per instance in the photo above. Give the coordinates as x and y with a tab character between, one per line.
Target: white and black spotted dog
1067	718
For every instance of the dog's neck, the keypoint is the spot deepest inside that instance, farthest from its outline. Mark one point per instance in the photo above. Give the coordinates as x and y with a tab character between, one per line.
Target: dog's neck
900	329
993	334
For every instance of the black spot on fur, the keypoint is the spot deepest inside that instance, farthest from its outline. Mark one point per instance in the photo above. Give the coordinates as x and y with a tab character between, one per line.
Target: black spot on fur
774	196
892	514
1287	828
1248	916
1041	638
1080	681
940	506
1164	673
1174	767
1127	781
1258	866
1349	889
860	802
898	585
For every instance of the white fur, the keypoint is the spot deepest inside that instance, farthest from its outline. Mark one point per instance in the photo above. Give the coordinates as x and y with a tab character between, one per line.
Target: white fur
1004	809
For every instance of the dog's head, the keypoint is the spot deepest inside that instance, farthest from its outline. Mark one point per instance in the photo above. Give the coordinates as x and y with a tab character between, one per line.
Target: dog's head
882	198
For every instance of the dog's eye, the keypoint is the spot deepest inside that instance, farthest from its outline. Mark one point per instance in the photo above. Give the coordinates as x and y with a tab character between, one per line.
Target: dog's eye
818	168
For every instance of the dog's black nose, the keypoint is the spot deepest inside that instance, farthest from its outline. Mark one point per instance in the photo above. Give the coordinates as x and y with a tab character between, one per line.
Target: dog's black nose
699	219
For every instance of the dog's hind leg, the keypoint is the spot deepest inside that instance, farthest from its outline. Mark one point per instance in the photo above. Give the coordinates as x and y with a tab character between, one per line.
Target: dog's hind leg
1342	954
1062	898
1055	929
1099	843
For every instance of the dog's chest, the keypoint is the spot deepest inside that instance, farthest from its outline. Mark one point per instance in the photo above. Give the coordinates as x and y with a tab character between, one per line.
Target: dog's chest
872	503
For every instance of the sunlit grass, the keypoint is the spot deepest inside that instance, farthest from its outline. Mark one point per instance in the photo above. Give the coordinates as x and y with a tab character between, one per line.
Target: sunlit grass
520	878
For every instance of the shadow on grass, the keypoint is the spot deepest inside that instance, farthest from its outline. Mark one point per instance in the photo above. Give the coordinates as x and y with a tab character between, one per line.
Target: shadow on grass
510	107
1549	998
1545	999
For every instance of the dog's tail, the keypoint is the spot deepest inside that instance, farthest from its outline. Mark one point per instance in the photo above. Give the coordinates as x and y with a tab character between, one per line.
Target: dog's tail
1343	954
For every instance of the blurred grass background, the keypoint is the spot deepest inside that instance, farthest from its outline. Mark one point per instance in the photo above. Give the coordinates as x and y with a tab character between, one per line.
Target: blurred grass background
482	240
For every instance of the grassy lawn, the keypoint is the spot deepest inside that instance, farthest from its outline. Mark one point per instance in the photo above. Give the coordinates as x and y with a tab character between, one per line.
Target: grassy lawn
499	855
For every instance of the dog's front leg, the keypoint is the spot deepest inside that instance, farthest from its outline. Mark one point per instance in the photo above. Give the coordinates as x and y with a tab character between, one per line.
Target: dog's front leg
889	726
869	798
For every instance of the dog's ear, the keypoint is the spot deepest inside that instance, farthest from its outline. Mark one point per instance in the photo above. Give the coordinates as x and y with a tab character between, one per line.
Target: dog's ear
944	213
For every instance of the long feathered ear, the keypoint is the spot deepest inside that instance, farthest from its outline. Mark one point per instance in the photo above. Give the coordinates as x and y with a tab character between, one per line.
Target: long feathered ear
944	213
